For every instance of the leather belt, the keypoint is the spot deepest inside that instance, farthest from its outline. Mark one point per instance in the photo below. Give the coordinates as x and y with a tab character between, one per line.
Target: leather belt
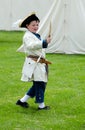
42	60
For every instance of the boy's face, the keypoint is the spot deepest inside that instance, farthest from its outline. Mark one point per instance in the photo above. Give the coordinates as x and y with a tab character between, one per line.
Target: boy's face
33	26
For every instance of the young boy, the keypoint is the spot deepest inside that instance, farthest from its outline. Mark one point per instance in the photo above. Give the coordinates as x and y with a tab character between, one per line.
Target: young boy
35	65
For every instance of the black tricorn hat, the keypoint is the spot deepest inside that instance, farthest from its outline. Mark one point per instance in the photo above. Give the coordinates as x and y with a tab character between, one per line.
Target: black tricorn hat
28	19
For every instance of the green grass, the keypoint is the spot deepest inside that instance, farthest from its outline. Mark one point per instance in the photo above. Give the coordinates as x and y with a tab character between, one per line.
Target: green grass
65	91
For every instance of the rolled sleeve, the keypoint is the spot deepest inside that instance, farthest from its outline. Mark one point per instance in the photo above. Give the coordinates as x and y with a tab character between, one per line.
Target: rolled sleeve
44	44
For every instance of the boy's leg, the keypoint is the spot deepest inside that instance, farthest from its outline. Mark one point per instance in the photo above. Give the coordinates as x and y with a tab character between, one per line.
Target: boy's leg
31	93
39	94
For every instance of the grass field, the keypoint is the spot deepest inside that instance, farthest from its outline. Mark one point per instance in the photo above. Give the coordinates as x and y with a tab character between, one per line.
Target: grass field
65	91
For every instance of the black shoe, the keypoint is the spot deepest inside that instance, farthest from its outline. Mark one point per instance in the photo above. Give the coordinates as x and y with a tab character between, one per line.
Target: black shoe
44	108
22	104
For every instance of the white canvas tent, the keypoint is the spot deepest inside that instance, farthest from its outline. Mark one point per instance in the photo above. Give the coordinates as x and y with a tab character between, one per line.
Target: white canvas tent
67	18
12	10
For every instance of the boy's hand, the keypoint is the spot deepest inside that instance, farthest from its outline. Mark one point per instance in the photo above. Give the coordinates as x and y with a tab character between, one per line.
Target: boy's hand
48	40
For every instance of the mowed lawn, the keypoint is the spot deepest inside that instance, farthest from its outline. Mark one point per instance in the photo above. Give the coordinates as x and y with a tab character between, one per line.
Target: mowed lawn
65	91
